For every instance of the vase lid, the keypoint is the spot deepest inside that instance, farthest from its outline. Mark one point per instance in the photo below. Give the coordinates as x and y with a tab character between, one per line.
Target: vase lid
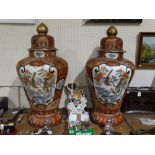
111	43
42	41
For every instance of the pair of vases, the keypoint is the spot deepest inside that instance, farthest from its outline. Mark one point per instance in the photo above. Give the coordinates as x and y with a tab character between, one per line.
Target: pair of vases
43	76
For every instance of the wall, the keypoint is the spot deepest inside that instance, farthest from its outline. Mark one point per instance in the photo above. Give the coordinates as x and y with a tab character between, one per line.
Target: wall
76	43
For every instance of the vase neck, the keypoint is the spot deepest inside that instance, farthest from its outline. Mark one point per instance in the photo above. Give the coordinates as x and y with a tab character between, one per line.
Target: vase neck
111	55
42	53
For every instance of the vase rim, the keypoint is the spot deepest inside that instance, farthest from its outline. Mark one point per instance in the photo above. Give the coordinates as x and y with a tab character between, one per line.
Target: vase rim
42	49
112	51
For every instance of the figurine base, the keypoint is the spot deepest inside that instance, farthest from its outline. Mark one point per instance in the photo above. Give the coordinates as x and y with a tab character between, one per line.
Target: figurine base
88	131
111	133
101	119
41	119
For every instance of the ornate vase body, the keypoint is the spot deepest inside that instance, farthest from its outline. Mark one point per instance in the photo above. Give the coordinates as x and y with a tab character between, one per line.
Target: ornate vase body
109	75
43	76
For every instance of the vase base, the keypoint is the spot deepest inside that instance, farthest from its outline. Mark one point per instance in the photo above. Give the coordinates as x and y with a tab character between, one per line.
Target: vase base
38	120
101	119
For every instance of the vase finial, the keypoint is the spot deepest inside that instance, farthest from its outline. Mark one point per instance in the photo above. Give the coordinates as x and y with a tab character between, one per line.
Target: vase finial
42	28
112	31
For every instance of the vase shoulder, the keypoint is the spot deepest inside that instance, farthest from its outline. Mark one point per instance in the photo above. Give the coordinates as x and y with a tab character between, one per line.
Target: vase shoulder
95	61
111	62
63	63
54	61
129	63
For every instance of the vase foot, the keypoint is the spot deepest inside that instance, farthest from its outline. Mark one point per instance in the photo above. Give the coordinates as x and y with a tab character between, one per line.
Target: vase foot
38	120
101	119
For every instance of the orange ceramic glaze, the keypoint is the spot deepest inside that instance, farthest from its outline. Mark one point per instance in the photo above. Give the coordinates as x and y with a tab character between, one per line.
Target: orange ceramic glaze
109	74
43	76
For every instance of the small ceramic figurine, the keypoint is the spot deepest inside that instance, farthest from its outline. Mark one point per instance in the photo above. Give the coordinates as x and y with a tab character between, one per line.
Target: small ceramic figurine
8	126
78	118
43	131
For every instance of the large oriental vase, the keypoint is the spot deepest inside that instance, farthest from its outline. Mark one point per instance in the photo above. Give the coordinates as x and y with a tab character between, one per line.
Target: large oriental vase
43	76
109	75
